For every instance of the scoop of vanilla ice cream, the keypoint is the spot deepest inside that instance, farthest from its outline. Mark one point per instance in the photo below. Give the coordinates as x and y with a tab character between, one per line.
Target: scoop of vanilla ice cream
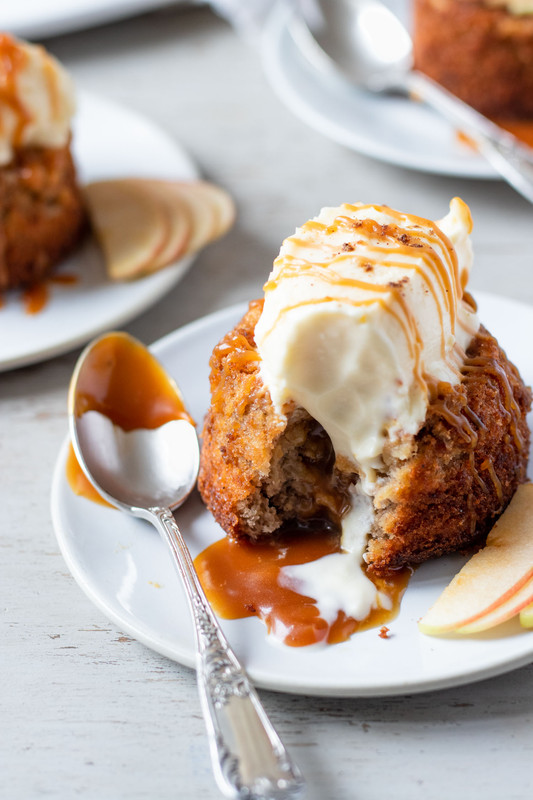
362	309
36	98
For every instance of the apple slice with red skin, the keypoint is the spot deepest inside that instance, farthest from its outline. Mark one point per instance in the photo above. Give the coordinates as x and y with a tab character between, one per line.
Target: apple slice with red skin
220	201
203	212
492	577
211	209
146	224
508	609
131	225
179	220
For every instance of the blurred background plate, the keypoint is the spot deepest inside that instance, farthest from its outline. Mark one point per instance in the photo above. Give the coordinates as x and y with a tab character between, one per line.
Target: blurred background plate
109	141
391	129
37	19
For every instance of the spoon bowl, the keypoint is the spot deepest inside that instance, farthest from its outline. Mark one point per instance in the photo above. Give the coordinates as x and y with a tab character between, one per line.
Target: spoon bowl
366	42
141	468
137	445
362	39
134	462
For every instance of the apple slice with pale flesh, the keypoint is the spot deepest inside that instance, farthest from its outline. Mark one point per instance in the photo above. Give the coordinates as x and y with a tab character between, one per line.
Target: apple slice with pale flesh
526	617
132	227
493	576
211	209
508	609
145	224
220	201
179	219
203	214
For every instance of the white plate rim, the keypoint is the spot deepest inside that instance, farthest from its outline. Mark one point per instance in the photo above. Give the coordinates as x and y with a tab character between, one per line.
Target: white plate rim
57	18
154	287
262	678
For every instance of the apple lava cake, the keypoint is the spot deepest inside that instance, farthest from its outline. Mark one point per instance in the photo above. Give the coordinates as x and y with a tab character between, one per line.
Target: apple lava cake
363	395
41	206
481	50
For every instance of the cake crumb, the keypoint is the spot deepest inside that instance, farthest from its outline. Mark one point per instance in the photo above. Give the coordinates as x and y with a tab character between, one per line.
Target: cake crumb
384	632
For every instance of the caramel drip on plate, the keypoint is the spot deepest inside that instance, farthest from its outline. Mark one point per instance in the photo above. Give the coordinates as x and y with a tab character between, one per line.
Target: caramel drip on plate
35	297
79	484
12	60
243	580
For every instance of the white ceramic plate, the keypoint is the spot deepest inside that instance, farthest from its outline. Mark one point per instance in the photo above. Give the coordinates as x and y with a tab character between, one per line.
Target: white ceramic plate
109	141
391	129
123	567
36	19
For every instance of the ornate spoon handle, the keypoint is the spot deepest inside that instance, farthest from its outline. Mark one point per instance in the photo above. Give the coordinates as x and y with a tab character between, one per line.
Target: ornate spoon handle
248	757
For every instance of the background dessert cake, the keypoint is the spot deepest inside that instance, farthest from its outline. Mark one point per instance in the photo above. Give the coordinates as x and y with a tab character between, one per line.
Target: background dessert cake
40	204
481	50
364	394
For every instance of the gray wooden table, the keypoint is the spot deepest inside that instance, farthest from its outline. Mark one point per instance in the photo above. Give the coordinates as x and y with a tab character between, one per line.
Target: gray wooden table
85	710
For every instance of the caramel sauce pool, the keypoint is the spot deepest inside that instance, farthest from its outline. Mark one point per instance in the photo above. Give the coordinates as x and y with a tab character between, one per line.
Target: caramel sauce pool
36	296
124	382
242	580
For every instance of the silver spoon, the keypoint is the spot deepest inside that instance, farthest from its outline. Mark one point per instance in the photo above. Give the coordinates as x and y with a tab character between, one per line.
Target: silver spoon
148	472
369	45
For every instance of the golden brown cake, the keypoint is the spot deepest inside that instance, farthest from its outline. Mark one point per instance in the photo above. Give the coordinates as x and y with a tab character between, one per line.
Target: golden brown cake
40	204
266	465
481	50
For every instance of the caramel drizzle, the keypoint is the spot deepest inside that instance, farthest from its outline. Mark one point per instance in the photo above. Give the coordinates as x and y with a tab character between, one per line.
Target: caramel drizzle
236	355
394	241
12	60
510	406
385	244
468	424
404	319
51	77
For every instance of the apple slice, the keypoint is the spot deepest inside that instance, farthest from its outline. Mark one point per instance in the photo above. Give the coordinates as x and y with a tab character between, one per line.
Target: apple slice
509	608
131	225
221	203
204	223
211	209
178	216
145	224
526	617
493	575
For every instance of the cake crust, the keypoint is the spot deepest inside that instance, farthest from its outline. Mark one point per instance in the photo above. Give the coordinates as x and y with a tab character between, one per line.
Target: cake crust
42	213
481	53
261	472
